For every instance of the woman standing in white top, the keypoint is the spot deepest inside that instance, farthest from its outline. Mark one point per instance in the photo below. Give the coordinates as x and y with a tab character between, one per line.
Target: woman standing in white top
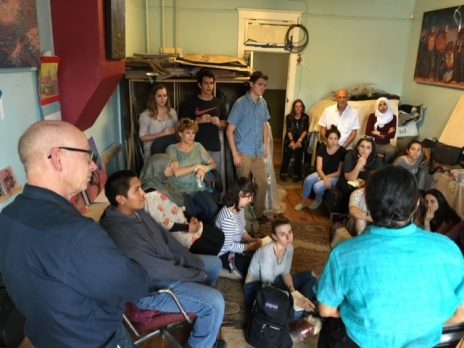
231	221
271	264
158	120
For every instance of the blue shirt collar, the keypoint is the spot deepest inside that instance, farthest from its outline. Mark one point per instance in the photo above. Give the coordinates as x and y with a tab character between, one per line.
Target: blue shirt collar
392	232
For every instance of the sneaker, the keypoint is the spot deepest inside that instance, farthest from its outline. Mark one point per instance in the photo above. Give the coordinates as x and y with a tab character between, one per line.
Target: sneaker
300	207
264	220
315	205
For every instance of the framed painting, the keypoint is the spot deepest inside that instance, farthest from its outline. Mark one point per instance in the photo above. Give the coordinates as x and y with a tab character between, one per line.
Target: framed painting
440	56
19	34
115	20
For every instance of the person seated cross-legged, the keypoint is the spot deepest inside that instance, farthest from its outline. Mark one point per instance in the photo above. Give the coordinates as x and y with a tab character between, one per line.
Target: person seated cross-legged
167	262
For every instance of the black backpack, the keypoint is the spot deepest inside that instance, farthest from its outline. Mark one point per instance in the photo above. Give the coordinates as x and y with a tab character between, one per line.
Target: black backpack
270	318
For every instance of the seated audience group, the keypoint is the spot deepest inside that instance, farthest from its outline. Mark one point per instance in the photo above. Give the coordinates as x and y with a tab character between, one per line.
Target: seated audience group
168	229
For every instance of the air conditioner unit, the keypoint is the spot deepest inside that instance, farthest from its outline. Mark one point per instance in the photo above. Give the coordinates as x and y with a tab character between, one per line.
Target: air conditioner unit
265	33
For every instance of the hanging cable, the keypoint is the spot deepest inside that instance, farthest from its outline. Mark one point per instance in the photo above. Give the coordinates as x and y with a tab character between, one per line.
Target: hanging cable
297	46
458	17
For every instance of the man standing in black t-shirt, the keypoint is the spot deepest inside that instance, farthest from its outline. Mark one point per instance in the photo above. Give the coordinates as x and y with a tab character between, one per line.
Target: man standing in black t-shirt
210	114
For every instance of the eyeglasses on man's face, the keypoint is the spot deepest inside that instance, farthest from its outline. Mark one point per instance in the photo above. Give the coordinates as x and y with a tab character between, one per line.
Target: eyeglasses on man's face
91	156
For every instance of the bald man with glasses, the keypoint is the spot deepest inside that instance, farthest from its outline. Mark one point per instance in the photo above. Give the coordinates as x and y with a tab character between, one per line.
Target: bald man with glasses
62	271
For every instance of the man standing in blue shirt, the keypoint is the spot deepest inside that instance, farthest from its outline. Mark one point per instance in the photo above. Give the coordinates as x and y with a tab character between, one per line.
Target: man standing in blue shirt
63	272
248	136
395	285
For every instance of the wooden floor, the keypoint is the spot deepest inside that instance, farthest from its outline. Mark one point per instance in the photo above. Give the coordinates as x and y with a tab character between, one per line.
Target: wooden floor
292	198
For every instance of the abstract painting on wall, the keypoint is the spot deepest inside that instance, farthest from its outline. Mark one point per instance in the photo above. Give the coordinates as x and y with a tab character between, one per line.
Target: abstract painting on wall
440	56
19	34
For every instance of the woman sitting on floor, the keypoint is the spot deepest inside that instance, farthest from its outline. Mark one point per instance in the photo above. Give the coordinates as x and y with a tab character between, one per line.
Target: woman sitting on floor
329	163
416	161
439	216
238	243
272	263
199	238
381	125
190	163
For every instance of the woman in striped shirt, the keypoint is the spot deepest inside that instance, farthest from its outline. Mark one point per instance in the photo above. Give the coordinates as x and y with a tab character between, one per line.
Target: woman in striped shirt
235	253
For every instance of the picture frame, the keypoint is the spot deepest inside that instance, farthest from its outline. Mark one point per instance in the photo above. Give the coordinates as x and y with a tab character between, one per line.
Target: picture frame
115	23
19	34
440	54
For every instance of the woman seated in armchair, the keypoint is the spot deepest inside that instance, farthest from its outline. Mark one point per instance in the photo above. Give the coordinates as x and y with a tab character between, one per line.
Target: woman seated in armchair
165	204
190	163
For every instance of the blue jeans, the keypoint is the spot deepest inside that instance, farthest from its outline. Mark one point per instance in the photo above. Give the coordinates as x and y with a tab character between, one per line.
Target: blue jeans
121	339
204	205
205	301
314	182
304	282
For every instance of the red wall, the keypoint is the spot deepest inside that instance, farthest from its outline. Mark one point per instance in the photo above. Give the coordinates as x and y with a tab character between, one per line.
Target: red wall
86	78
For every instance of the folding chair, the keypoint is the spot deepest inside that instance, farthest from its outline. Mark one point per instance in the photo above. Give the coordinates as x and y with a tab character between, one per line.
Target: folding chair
145	324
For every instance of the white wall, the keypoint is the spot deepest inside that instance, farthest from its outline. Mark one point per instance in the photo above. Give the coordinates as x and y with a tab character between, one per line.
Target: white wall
135	27
351	42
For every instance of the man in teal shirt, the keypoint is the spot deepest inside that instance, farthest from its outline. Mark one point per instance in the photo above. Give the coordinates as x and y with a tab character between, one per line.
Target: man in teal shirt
396	285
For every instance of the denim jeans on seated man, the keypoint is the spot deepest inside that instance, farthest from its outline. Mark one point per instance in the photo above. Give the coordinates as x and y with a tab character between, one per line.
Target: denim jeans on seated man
205	301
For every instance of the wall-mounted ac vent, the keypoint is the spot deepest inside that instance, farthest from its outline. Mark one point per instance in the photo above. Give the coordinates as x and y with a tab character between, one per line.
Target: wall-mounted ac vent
265	33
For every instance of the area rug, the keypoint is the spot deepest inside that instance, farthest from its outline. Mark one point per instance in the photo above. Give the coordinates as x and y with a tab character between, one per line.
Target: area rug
311	253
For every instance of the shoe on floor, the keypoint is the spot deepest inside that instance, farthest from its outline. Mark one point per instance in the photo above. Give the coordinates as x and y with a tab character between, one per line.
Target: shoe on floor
297	178
315	205
283	176
233	275
300	207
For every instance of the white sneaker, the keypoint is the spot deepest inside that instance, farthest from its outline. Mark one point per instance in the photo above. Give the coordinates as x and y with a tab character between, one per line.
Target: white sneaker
300	207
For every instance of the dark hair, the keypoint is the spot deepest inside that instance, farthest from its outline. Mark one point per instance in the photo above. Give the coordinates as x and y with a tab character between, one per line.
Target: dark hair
373	154
292	113
392	196
151	101
444	213
279	221
232	196
203	74
412	142
333	129
118	183
258	75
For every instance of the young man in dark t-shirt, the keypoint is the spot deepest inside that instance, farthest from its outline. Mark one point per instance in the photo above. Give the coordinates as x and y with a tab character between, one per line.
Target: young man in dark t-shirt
210	114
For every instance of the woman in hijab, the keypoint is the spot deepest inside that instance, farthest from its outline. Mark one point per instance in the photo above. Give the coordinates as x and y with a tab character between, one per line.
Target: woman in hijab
165	204
381	125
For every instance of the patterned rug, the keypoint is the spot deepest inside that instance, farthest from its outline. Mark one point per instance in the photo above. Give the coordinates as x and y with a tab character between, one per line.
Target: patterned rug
311	253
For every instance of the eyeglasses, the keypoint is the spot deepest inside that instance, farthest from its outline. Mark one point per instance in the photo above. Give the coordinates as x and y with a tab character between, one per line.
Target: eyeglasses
368	137
92	157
